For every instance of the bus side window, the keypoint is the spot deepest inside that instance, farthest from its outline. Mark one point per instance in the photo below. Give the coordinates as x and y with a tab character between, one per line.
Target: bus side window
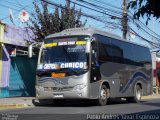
128	53
105	52
117	51
138	54
104	48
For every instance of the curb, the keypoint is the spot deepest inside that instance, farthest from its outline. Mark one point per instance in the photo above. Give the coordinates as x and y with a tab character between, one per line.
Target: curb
151	97
15	105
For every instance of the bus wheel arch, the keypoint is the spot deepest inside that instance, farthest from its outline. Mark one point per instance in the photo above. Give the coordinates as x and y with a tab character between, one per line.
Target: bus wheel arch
104	94
137	94
108	88
140	85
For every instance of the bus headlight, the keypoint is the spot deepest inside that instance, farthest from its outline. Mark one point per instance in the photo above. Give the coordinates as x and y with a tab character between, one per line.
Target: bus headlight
40	87
79	87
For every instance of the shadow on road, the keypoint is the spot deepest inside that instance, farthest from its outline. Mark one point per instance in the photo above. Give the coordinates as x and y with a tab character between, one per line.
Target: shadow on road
152	104
79	103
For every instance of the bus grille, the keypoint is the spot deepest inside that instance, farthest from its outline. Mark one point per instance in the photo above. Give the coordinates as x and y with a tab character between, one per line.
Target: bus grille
58	88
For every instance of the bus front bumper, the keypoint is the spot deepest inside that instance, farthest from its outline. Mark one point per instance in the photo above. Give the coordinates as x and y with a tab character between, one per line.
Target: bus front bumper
41	93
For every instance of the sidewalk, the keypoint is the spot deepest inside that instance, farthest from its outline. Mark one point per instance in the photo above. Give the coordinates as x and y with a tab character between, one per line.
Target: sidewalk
153	96
16	102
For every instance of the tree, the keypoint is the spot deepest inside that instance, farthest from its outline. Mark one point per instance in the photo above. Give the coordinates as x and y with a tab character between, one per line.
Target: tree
48	21
145	7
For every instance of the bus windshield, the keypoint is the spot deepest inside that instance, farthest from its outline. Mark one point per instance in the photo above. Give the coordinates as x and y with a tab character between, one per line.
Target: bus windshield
64	52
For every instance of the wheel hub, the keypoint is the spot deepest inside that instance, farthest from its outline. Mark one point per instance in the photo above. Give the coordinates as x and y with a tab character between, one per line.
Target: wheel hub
138	94
103	94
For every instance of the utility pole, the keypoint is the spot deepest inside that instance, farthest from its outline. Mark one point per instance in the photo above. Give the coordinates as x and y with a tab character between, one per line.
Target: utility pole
125	19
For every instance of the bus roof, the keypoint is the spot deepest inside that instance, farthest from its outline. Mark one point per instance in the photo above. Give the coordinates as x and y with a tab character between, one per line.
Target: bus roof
82	31
88	31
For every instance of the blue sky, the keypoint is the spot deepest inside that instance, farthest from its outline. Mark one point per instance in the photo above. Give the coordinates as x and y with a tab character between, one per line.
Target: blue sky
17	5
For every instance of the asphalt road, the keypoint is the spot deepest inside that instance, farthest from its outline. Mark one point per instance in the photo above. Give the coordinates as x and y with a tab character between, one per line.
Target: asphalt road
147	109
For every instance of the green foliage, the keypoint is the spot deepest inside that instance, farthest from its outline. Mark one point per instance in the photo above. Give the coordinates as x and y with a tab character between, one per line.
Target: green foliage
48	21
145	7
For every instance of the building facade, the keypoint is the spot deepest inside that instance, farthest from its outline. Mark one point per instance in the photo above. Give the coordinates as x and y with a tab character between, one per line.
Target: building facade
17	71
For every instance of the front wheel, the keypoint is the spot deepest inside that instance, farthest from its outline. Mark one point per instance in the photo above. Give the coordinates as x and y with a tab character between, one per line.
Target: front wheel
42	102
103	96
137	95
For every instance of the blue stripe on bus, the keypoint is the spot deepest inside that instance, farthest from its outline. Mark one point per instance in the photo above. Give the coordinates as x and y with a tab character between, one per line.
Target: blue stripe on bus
136	75
52	80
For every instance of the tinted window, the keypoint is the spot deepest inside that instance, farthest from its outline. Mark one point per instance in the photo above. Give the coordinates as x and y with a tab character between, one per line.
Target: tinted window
145	55
141	55
121	52
128	52
137	54
104	48
117	51
105	52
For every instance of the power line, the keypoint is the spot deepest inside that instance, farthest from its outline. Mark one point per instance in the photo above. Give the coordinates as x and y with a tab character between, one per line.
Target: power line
11	3
152	43
137	22
108	4
98	19
7	6
101	8
104	13
90	16
17	10
131	18
129	12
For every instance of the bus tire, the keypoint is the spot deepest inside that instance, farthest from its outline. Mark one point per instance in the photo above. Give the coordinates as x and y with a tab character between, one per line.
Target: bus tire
137	95
42	102
103	96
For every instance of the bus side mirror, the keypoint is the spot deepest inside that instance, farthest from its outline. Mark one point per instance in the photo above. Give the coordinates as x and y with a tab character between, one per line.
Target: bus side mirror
30	52
93	41
30	48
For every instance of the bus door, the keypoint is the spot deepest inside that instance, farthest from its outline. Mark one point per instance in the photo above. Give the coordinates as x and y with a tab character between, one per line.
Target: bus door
95	75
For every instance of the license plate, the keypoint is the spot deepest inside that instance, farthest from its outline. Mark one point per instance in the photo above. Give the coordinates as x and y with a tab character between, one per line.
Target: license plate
58	96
